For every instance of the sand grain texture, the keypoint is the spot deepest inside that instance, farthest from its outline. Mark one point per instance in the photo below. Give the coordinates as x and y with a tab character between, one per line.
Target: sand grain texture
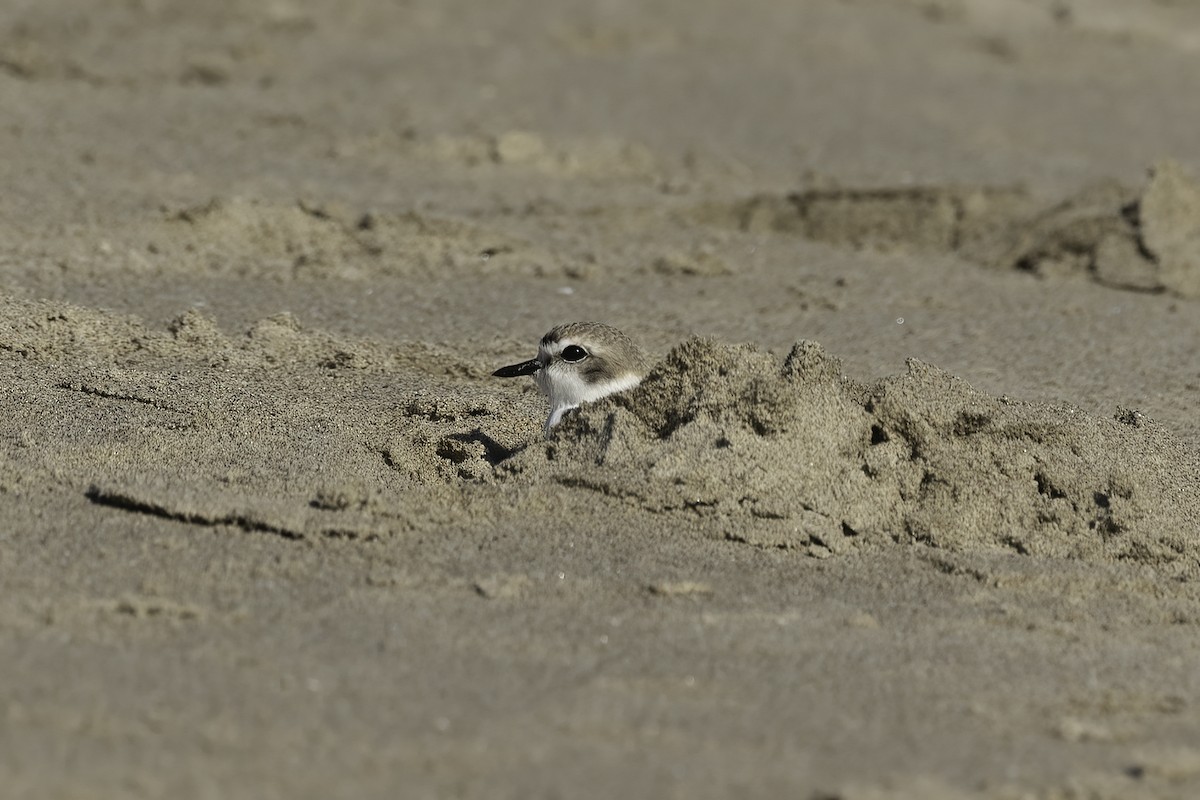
907	508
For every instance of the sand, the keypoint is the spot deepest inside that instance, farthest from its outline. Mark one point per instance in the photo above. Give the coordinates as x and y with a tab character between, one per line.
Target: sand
909	506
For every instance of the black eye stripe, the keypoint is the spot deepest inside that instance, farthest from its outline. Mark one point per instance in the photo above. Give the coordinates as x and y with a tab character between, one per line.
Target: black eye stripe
574	352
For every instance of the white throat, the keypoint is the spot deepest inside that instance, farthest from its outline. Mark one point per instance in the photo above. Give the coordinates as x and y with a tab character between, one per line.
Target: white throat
566	390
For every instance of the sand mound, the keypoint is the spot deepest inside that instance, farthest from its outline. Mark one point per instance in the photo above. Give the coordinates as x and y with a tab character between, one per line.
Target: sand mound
44	332
282	429
909	218
793	454
1147	239
314	240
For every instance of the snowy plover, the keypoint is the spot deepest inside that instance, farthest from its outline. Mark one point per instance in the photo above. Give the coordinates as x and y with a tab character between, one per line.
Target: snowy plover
579	363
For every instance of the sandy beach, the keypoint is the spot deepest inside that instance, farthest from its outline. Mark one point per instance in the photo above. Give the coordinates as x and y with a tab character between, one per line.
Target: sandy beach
907	507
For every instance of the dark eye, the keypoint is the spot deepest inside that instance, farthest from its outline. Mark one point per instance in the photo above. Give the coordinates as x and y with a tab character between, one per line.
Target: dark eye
574	352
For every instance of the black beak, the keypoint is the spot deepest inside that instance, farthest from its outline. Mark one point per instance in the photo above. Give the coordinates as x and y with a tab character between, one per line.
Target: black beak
517	370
